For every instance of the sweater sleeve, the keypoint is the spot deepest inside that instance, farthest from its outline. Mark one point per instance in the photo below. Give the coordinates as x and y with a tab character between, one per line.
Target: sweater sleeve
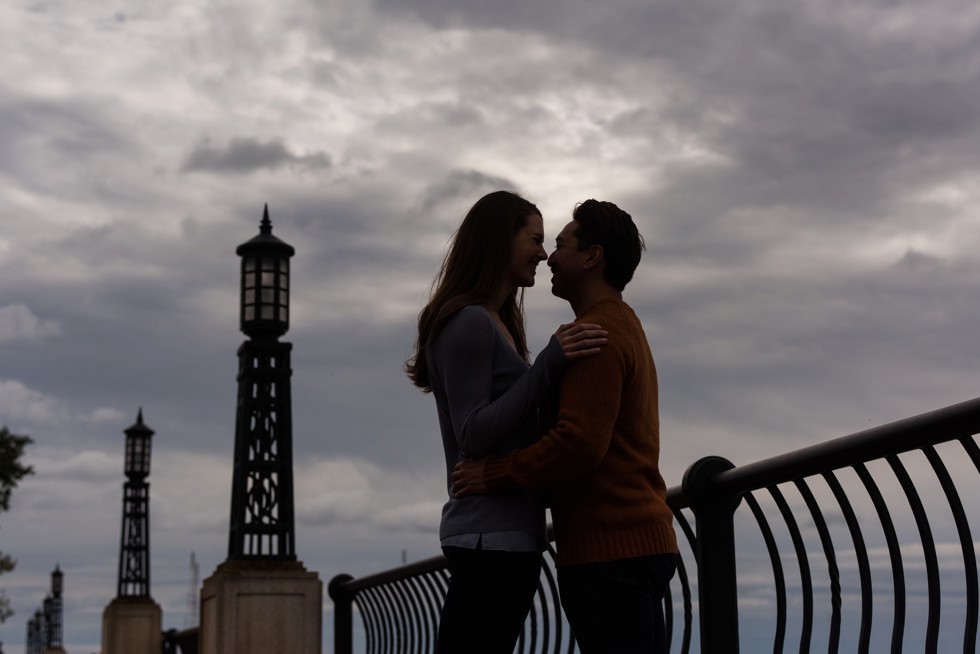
588	405
464	364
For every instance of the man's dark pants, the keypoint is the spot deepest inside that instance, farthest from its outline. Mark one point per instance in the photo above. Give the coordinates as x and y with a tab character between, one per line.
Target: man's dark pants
617	606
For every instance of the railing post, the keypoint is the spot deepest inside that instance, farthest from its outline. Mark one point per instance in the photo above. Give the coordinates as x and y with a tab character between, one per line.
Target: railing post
343	616
715	553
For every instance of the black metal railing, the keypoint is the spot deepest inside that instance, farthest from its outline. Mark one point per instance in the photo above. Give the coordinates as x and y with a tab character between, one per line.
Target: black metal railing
860	544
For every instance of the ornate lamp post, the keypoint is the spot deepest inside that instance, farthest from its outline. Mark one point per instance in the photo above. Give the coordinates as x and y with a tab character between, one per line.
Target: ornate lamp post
48	608
134	552
35	633
57	582
54	618
131	622
262	599
262	525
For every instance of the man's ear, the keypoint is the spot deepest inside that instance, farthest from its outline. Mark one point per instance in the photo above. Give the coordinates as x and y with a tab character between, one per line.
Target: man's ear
594	258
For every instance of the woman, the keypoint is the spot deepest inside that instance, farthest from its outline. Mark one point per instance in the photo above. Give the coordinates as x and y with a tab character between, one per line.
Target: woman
471	354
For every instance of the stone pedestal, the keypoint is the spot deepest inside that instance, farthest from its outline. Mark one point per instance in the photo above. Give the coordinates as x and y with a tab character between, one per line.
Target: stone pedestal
259	607
131	625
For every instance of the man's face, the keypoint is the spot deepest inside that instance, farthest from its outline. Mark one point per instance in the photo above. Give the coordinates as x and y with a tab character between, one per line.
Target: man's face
566	262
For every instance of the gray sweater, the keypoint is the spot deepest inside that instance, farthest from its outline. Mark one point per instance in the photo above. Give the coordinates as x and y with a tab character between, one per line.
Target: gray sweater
487	398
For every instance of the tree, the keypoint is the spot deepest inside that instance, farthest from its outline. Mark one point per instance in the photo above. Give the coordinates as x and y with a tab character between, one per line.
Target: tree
12	448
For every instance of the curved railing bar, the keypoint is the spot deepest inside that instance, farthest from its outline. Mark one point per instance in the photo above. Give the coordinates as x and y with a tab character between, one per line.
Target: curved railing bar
377	600
433	564
972	609
426	618
549	612
552	586
806	583
432	608
966	544
414	602
832	569
779	579
373	610
388	617
415	605
894	554
928	551
686	528
973	450
531	622
688	606
355	602
414	597
436	593
400	622
931	428
864	565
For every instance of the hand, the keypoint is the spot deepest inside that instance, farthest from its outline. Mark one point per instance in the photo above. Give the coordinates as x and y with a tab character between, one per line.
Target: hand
468	478
580	340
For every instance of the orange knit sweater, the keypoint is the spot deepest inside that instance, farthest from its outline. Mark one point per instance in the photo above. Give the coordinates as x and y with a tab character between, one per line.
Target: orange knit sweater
601	458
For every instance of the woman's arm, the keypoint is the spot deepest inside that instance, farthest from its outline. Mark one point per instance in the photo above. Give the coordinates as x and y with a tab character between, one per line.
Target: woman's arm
463	362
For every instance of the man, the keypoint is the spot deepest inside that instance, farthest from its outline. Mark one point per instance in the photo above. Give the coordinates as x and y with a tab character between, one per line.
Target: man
600	460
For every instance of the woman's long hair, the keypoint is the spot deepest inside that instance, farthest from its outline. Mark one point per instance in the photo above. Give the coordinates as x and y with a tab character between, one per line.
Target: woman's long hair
474	270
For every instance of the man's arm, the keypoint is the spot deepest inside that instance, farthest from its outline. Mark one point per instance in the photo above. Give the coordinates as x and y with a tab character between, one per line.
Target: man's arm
588	405
464	361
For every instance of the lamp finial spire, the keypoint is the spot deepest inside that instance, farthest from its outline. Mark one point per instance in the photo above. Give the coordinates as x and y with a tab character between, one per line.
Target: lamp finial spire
265	227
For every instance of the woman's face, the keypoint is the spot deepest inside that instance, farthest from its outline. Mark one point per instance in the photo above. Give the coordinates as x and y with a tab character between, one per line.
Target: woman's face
527	251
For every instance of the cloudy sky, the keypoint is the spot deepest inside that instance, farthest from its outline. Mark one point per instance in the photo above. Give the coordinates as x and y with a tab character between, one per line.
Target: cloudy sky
806	176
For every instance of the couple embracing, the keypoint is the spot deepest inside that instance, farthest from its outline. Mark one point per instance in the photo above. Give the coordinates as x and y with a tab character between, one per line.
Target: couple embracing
577	430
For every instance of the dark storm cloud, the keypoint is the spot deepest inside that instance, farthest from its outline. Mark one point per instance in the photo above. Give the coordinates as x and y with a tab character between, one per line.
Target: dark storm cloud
245	155
442	116
47	133
461	186
806	108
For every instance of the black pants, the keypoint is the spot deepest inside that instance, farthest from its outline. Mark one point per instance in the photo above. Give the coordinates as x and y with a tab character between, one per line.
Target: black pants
490	593
617	606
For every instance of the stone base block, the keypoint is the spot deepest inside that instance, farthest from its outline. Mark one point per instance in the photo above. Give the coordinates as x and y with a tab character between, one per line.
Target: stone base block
259	607
131	625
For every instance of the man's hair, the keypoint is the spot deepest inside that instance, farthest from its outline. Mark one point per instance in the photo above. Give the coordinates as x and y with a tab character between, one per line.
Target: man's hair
606	225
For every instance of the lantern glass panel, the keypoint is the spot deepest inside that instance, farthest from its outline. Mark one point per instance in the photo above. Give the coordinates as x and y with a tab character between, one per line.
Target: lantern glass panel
250	313
145	456
268	296
138	455
268	279
249	264
268	263
267	313
284	281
